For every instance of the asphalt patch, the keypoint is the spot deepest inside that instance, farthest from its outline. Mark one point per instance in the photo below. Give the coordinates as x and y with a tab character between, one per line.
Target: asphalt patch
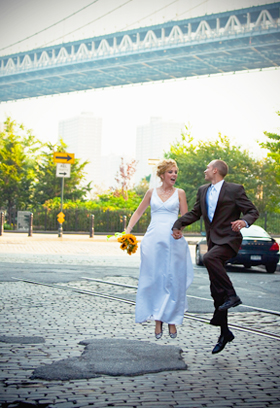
114	357
22	339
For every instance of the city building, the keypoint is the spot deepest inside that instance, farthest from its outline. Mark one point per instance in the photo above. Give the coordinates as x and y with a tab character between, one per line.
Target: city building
83	134
152	140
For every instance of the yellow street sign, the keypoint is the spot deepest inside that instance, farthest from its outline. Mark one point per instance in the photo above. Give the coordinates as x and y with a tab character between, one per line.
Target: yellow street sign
60	157
60	217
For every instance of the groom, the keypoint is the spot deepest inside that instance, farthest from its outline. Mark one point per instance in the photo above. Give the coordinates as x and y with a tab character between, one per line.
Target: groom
220	203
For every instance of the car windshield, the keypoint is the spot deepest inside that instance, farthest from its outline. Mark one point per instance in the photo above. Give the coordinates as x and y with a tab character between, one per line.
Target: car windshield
254	232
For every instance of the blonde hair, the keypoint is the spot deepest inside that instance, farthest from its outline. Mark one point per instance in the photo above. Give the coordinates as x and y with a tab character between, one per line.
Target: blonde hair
165	165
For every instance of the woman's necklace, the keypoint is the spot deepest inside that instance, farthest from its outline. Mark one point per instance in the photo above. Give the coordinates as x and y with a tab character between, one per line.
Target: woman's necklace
166	193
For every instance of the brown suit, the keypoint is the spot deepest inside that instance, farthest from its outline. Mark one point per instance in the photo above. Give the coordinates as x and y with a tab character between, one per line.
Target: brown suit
223	243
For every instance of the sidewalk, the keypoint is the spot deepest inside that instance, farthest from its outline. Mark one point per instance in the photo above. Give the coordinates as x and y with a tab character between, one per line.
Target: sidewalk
43	325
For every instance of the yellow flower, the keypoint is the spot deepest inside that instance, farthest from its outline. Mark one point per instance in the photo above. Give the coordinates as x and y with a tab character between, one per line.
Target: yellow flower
134	249
122	239
123	246
128	242
131	239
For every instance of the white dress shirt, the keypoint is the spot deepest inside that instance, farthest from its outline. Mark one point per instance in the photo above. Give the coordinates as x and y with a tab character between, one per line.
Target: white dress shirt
212	196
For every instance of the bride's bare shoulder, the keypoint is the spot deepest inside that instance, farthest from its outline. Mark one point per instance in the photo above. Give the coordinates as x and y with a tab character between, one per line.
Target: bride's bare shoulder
181	192
149	192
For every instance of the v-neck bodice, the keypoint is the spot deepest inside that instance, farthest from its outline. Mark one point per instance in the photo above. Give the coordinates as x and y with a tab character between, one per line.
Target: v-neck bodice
170	206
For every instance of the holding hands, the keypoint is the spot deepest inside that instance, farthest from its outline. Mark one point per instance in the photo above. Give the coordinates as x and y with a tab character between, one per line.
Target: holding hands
177	233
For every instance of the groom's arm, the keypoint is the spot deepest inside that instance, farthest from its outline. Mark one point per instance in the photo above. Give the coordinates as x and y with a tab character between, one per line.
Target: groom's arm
249	211
190	217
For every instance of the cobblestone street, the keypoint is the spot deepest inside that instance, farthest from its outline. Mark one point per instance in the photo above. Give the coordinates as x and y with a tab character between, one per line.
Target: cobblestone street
245	374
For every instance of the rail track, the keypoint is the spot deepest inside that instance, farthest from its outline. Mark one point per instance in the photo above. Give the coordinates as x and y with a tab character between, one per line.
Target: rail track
132	302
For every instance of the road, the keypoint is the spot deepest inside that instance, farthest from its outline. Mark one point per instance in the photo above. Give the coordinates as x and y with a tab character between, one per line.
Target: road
255	287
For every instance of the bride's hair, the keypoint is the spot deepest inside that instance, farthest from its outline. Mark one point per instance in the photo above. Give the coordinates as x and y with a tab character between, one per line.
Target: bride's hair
165	165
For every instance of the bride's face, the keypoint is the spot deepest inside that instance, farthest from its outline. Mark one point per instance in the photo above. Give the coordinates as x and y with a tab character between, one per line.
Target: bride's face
170	176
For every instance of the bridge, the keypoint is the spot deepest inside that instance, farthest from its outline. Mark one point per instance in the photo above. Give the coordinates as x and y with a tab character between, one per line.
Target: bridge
244	39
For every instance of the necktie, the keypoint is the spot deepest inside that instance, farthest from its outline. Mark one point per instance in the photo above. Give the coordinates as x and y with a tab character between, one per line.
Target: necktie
212	202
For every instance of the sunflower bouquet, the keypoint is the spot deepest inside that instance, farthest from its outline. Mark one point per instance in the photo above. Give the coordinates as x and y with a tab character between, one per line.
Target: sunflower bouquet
128	242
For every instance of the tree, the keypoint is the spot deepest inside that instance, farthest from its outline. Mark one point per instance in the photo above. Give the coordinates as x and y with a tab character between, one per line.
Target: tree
192	159
124	176
18	166
142	187
271	184
49	186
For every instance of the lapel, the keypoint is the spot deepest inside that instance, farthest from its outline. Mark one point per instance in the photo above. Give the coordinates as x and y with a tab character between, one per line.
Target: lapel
203	201
220	199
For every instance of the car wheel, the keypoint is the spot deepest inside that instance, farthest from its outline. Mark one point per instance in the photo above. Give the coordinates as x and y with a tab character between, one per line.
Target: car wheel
198	259
271	267
247	265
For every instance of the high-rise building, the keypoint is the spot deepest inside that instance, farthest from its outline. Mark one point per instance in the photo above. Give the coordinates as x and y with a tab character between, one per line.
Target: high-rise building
152	140
83	134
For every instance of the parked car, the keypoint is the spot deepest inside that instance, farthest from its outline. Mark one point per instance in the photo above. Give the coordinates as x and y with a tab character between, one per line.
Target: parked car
257	248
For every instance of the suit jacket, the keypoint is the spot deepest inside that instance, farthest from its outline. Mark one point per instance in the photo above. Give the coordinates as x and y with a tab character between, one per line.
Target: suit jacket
231	203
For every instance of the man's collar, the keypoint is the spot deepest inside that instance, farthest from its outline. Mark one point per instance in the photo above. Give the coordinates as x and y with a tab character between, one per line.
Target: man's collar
218	185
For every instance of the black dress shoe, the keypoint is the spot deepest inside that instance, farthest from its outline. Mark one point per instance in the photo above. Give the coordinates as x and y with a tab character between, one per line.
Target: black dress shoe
232	301
222	341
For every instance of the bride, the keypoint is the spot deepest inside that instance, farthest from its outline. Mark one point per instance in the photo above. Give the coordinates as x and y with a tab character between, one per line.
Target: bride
166	269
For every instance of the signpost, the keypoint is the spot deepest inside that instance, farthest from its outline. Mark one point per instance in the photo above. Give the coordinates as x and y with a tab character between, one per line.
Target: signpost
63	169
59	157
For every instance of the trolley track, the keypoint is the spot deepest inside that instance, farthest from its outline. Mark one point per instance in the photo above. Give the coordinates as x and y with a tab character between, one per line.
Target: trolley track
258	309
132	302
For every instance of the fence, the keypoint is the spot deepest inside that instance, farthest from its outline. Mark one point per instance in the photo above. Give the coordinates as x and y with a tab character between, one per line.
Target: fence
79	220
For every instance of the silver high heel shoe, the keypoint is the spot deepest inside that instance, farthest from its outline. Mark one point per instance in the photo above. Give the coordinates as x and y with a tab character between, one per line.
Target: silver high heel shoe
159	335
172	335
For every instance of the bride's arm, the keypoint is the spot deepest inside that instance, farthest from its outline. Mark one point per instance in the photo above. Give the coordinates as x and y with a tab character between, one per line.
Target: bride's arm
140	211
182	202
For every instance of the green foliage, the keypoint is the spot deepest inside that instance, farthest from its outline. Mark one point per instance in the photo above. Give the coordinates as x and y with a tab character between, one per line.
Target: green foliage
142	187
109	211
192	159
18	166
105	202
271	184
48	185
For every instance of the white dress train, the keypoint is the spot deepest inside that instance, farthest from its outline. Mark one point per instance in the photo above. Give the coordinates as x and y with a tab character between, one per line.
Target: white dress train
166	269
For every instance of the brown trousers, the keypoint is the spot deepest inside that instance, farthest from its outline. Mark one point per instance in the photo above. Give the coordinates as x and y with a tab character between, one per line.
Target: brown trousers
220	284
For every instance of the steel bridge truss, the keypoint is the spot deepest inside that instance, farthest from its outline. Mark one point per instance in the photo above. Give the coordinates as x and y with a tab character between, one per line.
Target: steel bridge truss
239	40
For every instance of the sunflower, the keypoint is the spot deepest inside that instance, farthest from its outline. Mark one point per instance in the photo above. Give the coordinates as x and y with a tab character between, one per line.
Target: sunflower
123	246
131	238
128	242
122	238
134	249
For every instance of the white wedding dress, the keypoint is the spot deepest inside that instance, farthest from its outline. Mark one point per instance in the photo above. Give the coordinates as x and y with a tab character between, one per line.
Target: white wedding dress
166	269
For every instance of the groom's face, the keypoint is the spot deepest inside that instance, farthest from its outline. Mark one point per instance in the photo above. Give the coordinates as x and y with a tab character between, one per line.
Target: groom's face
209	172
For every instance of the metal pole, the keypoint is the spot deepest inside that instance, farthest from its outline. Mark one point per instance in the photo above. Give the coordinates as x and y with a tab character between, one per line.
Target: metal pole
91	231
265	220
30	225
46	212
1	223
60	229
124	222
